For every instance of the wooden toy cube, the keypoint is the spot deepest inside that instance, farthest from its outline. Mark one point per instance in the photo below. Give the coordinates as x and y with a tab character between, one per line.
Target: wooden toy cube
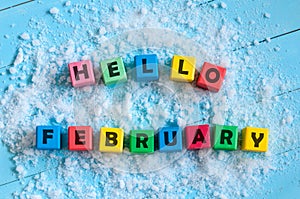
48	137
170	139
197	137
255	139
183	68
81	73
141	141
80	138
146	67
225	137
111	140
211	77
113	71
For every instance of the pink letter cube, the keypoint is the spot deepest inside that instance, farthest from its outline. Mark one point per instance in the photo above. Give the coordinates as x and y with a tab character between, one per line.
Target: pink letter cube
81	73
197	137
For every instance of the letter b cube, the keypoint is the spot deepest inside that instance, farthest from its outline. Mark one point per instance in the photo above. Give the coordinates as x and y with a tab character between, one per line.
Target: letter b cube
111	140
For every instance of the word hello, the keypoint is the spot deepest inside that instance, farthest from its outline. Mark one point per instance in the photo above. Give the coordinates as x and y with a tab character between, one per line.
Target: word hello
183	69
167	139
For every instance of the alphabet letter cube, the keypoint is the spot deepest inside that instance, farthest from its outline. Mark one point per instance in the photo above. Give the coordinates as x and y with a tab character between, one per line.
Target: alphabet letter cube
80	138
81	73
111	140
183	68
170	139
255	139
211	77
113	71
142	141
197	137
146	67
48	137
226	137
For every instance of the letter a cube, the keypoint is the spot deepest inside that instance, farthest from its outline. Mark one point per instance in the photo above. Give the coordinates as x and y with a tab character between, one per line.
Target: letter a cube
113	71
197	137
111	140
48	137
80	138
81	73
255	139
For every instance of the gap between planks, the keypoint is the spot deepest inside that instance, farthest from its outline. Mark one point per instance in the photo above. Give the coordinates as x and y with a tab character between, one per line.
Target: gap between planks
16	5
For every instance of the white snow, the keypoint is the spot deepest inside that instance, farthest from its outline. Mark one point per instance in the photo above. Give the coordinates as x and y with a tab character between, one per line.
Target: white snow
54	11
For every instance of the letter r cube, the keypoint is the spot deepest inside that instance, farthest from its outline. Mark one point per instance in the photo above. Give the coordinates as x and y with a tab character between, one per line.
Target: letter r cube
111	140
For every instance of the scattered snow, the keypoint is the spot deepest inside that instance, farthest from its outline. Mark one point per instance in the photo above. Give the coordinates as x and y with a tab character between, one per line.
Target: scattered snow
20	57
267	15
68	3
25	36
54	10
223	5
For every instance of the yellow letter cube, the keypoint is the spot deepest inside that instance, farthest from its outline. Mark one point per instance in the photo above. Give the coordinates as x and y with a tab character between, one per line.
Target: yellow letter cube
255	139
183	68
111	140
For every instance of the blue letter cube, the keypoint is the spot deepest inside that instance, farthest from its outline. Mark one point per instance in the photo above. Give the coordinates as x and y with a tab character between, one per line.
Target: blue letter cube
48	137
146	67
170	139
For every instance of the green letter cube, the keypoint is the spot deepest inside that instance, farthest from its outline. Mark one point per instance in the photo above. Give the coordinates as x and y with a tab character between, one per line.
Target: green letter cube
225	137
113	71
142	141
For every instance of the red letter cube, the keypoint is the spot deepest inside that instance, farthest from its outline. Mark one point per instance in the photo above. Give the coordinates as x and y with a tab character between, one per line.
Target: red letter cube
197	137
211	77
81	73
80	138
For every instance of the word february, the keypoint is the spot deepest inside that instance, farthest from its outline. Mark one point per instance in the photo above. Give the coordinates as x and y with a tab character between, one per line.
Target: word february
167	139
183	69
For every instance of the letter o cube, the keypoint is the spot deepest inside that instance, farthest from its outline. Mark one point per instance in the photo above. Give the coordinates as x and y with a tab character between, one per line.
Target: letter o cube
211	77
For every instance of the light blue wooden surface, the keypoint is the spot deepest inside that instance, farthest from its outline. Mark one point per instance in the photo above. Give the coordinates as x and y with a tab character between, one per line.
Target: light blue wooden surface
284	18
